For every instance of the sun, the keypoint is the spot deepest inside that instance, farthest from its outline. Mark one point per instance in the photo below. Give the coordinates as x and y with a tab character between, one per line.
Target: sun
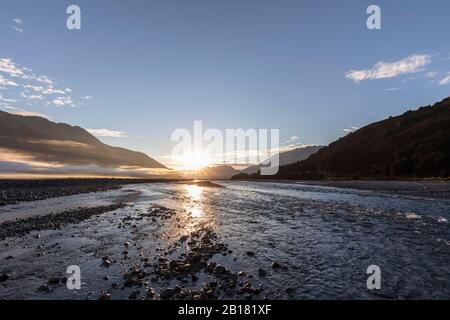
194	161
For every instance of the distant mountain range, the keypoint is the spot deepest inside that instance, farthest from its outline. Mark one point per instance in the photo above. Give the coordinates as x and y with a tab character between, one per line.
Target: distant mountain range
226	171
36	140
212	172
287	157
415	144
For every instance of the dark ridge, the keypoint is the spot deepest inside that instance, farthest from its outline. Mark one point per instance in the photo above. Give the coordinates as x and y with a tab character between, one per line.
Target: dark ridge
414	145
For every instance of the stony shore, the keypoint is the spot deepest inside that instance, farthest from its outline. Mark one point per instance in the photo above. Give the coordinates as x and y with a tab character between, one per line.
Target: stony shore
13	191
428	189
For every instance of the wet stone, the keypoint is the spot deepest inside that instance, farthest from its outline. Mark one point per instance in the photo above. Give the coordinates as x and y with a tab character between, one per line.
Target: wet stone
4	277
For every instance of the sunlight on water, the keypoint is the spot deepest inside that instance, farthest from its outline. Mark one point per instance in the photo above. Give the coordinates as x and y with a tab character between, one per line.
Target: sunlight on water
194	192
197	212
194	205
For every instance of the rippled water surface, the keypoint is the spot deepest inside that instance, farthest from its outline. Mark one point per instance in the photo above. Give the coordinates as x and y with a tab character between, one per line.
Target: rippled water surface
324	238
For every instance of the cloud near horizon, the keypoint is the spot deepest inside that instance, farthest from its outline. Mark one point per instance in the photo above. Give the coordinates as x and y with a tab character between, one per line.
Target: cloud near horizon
385	70
15	164
107	133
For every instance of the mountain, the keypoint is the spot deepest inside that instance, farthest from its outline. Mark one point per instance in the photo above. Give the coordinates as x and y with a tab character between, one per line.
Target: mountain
287	157
415	144
38	140
213	172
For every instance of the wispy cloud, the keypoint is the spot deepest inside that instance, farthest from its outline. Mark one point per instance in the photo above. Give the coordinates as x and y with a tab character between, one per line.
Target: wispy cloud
31	97
16	24
107	133
63	101
15	28
22	112
34	87
445	80
384	70
350	129
431	74
393	89
7	100
292	139
9	67
31	114
7	82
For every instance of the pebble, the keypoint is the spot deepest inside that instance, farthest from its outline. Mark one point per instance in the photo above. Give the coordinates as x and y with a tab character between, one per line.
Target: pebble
290	290
53	281
44	288
105	295
167	293
276	265
220	269
4	277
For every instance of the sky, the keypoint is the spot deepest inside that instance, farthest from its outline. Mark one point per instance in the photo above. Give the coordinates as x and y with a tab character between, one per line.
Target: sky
138	70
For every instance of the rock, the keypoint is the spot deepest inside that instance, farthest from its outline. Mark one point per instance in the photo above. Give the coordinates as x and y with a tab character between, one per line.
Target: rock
4	277
220	269
276	265
115	286
127	244
210	267
167	293
106	295
151	292
53	281
134	295
290	290
105	278
250	253
262	272
442	220
106	261
44	288
9	257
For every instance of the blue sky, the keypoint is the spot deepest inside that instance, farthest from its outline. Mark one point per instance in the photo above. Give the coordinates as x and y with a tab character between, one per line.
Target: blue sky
141	69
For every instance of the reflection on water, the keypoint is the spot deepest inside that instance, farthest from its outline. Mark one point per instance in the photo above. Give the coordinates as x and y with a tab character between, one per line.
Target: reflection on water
194	206
197	212
194	192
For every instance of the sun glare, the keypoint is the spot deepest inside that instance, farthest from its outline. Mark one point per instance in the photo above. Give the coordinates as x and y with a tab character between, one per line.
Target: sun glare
194	161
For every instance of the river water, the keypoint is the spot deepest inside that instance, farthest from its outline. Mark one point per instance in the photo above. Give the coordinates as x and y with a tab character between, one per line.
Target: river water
323	238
